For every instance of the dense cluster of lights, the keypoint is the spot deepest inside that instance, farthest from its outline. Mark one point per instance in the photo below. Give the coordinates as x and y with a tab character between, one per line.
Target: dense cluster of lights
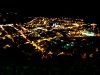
40	25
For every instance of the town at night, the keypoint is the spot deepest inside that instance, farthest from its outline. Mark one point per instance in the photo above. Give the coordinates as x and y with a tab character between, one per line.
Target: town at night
49	38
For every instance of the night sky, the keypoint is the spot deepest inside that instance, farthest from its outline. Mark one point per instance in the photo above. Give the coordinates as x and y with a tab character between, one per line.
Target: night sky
87	10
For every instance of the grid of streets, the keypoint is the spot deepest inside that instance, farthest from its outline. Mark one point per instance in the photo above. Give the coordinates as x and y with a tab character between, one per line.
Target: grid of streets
48	35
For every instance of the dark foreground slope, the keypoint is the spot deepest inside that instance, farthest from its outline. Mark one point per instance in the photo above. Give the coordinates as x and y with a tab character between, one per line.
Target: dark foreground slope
57	67
14	61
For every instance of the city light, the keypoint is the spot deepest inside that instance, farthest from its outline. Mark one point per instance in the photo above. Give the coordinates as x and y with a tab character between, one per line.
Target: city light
42	34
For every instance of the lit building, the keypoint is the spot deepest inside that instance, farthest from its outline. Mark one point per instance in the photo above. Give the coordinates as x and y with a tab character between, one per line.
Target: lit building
87	33
93	25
